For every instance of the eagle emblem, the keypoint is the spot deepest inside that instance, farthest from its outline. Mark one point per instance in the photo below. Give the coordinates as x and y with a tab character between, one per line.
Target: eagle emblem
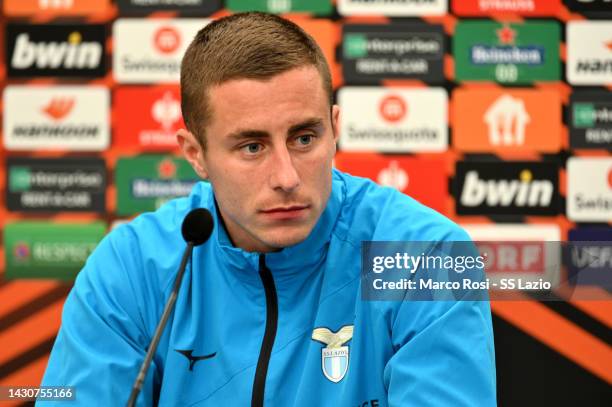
335	356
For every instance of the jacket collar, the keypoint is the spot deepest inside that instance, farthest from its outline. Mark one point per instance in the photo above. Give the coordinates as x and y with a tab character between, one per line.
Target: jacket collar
289	260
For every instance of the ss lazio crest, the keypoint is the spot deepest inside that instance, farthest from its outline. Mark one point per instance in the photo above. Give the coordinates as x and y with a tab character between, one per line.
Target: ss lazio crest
334	357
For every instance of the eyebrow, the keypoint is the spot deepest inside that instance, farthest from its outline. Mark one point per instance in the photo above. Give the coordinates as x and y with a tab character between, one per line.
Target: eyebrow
312	123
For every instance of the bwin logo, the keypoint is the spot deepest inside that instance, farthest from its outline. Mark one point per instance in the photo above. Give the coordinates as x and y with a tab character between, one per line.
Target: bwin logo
73	53
521	192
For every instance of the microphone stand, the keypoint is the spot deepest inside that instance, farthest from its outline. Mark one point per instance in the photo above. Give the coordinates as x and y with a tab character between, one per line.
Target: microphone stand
160	328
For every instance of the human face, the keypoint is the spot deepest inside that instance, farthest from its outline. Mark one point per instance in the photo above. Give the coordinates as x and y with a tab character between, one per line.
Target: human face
269	150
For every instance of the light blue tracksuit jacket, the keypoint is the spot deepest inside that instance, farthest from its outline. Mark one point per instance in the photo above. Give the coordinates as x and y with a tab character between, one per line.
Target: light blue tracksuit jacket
242	331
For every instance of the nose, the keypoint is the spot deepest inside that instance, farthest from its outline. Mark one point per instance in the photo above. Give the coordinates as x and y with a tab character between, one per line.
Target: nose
284	176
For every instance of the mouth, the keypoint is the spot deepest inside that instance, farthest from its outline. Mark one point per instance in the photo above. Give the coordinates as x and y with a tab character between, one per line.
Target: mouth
286	212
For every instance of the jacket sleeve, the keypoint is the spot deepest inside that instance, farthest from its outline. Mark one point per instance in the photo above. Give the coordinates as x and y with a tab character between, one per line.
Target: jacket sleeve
102	340
444	349
449	361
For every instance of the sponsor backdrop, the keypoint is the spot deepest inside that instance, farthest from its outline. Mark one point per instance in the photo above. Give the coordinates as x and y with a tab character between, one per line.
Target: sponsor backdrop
496	113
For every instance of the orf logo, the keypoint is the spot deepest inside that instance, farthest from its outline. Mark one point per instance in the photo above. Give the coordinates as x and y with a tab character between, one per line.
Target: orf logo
392	108
167	40
334	357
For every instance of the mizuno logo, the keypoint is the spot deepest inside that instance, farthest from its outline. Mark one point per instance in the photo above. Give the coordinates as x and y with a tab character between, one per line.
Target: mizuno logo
193	359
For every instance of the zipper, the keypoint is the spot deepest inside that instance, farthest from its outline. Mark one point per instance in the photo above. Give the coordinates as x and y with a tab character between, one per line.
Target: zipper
259	384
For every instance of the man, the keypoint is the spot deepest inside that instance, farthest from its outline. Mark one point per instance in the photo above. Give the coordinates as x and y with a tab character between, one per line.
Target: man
269	312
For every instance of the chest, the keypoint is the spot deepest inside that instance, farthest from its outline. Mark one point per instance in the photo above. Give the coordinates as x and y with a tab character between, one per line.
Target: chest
329	347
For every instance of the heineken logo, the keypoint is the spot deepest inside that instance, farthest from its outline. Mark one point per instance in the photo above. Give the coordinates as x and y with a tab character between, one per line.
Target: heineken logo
507	53
506	35
144	183
483	54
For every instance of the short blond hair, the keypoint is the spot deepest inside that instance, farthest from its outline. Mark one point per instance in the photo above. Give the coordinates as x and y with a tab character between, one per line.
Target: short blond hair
249	45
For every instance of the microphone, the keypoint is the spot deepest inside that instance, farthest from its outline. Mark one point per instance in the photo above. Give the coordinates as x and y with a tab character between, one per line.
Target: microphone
196	229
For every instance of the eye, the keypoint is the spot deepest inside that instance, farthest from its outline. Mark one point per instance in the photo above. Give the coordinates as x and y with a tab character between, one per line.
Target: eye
305	139
252	148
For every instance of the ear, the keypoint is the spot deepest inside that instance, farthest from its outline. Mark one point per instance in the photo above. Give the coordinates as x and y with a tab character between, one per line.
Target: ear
192	151
335	115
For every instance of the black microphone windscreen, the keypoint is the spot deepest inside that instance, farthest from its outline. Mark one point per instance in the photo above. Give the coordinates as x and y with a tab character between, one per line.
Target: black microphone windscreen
197	226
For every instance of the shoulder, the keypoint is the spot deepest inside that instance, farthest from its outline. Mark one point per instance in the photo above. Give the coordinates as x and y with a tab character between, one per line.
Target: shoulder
145	250
373	212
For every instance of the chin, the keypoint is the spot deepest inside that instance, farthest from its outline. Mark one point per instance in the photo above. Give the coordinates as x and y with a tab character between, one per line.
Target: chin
285	238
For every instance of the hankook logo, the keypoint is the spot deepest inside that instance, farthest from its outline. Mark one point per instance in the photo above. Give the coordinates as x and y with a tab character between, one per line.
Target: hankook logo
74	118
589	52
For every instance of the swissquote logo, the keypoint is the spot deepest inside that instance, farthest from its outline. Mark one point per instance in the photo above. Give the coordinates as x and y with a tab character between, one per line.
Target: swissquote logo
56	117
166	40
393	120
589	189
589	52
392	108
148	51
68	50
506	188
334	356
